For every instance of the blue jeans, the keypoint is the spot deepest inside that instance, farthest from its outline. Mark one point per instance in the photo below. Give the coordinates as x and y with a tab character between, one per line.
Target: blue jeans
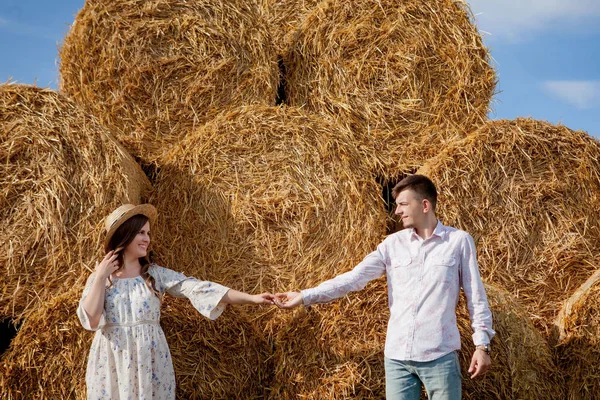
441	377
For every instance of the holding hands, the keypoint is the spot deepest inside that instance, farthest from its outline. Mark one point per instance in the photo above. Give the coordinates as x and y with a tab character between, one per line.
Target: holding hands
287	300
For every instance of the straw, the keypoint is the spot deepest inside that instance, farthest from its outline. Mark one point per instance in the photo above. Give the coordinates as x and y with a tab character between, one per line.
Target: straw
266	198
223	359
390	70
577	351
153	69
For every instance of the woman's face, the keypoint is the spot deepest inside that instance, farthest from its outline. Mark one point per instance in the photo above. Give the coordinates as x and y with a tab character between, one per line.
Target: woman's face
139	245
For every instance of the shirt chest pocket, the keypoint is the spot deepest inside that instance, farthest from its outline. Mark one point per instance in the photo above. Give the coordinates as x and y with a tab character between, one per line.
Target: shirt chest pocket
442	268
400	270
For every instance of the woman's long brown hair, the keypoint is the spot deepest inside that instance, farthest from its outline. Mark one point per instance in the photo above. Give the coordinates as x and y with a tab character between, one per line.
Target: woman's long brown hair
122	237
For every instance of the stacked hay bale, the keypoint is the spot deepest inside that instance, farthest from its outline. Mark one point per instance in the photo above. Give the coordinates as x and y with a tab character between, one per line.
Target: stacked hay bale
61	173
529	192
222	359
578	351
154	69
265	198
335	351
405	76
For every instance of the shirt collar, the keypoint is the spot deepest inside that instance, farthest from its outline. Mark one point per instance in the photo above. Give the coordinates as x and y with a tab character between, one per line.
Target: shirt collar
439	231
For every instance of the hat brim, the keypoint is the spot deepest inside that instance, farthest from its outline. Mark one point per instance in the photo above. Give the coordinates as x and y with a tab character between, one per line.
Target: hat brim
147	210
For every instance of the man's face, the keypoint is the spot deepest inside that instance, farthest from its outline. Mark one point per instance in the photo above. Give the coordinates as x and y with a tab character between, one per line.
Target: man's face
409	208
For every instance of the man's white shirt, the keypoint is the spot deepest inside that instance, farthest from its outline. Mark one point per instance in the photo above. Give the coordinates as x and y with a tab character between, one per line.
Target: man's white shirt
424	278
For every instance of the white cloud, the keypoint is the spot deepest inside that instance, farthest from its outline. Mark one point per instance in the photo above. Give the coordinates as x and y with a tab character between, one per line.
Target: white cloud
581	94
516	19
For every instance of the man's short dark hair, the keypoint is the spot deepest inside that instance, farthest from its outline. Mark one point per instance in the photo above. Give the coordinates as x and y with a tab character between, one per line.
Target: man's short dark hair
421	185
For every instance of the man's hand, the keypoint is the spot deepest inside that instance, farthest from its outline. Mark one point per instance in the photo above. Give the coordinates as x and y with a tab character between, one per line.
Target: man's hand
288	300
480	363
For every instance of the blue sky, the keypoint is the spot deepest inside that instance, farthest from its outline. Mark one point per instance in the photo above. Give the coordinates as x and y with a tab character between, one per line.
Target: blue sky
546	52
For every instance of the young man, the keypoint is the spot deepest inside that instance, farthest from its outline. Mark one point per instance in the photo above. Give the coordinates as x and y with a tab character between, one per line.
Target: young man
426	264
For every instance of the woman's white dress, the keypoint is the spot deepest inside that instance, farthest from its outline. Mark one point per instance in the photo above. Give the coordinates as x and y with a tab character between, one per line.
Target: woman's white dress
130	358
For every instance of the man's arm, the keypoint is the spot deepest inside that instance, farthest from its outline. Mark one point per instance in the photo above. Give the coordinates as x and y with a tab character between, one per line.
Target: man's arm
371	267
479	310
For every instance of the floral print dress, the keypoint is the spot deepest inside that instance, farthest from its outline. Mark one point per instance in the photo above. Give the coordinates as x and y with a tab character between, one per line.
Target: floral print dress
129	357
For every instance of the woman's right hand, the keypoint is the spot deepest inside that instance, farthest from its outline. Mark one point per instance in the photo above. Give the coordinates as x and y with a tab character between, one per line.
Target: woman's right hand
108	265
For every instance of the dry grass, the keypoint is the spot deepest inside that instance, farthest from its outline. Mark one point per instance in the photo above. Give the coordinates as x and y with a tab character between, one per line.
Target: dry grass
529	192
284	17
578	351
153	69
223	359
390	70
335	351
266	198
61	173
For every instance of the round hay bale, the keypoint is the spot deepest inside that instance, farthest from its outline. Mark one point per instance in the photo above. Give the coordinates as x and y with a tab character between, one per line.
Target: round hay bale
389	70
153	69
61	173
262	198
222	359
335	351
529	193
578	351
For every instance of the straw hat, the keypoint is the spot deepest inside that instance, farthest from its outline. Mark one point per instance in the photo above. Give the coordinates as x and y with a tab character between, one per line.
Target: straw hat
123	213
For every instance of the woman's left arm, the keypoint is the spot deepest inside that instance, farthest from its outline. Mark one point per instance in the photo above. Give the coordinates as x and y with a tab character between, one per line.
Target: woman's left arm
209	298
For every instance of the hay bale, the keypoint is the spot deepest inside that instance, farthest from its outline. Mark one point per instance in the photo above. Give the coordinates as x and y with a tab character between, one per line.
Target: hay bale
335	351
577	352
262	198
523	367
529	193
222	359
154	69
61	173
389	70
284	17
48	357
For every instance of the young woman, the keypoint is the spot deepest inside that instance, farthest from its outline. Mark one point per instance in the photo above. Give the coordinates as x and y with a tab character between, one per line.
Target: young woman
129	358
